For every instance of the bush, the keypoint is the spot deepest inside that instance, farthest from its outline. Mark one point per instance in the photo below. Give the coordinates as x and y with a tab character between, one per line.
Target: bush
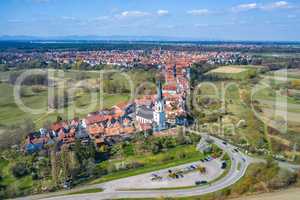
283	179
20	170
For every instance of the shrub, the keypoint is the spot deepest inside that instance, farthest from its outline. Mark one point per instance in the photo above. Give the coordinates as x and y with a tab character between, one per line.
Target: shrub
20	170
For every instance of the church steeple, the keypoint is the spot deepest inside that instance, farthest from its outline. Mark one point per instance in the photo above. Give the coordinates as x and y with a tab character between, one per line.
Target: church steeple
159	91
159	116
174	71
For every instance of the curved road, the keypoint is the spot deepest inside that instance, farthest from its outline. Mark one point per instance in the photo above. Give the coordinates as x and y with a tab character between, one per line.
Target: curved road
239	165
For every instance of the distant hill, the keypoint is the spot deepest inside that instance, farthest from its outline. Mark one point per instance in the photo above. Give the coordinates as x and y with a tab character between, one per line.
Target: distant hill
133	39
98	38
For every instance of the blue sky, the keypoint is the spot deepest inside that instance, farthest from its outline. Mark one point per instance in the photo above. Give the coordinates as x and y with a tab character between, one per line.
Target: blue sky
199	19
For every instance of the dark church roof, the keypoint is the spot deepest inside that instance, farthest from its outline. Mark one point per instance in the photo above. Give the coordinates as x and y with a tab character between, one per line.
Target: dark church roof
145	112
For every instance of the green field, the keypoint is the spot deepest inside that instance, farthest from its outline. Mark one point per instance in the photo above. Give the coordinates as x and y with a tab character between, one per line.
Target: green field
23	184
236	72
11	113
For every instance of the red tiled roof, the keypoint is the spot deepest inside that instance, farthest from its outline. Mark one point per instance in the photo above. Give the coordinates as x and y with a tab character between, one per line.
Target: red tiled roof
95	130
96	119
56	126
122	105
170	87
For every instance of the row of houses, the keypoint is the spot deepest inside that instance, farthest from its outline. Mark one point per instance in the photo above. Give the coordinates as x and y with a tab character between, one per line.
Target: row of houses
58	134
97	126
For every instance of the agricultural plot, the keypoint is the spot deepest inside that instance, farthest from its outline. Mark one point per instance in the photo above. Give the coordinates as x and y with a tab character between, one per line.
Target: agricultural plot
233	72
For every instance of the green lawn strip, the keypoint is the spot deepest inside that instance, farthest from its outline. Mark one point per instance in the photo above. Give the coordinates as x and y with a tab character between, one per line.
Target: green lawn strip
86	191
151	163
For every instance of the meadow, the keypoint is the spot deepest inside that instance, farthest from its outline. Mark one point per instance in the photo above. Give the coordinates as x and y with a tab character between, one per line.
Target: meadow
237	72
84	88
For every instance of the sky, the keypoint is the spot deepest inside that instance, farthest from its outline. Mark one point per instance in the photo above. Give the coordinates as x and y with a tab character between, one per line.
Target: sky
196	19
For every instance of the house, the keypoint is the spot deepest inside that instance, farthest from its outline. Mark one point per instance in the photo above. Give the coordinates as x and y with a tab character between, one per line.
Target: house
170	89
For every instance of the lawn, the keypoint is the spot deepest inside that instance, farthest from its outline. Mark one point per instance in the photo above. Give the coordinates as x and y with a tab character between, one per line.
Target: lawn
23	184
86	191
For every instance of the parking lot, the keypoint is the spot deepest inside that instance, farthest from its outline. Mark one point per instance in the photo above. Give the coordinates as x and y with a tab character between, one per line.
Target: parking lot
179	176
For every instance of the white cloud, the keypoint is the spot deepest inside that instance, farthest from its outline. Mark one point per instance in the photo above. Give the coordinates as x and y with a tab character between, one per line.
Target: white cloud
199	12
254	6
134	13
245	7
162	12
276	5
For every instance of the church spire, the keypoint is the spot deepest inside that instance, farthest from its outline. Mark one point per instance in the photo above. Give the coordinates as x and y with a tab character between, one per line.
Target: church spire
159	91
174	71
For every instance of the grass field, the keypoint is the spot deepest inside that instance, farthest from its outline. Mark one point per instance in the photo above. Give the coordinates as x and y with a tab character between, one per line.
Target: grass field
23	184
236	109
237	72
11	113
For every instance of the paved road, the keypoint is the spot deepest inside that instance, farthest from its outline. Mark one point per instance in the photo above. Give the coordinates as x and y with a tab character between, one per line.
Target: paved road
239	165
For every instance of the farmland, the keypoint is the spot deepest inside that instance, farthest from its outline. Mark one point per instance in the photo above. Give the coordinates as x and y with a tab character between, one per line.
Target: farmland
233	72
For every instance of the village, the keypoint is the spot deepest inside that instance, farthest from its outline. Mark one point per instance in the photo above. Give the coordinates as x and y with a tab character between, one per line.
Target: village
157	113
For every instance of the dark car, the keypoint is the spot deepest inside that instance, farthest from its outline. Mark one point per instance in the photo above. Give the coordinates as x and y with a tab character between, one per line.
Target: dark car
224	165
200	182
68	184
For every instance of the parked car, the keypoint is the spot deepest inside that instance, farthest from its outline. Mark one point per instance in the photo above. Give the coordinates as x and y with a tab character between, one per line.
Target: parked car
200	182
68	184
224	165
209	158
